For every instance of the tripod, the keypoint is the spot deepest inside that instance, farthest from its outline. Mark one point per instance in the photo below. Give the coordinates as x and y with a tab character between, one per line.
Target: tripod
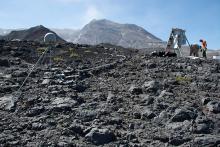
176	40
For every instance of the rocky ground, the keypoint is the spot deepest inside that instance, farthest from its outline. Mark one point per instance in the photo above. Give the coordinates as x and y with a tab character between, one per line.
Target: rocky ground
106	96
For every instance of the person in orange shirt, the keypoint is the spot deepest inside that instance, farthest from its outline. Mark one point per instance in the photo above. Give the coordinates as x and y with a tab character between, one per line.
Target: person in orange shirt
204	48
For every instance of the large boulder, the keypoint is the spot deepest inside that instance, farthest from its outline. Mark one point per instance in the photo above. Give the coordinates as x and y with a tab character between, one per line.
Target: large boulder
183	114
4	62
213	106
203	125
7	102
208	141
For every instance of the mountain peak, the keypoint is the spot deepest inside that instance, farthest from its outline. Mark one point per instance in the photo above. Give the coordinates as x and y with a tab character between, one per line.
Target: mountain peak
106	31
102	22
33	34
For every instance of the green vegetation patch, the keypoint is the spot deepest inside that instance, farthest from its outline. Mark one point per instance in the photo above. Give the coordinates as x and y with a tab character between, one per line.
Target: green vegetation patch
183	80
41	50
58	59
73	53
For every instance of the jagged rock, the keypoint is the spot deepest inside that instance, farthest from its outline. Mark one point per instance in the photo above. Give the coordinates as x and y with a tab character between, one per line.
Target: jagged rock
38	126
205	100
152	65
7	102
80	87
45	82
100	136
213	106
63	104
19	73
147	114
87	115
111	97
35	111
135	90
183	114
76	129
137	115
165	97
203	125
178	140
208	140
4	62
151	86
185	125
115	120
8	88
146	99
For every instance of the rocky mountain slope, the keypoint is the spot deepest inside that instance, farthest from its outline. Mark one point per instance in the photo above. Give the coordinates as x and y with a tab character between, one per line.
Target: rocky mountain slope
4	32
32	34
105	31
106	96
96	32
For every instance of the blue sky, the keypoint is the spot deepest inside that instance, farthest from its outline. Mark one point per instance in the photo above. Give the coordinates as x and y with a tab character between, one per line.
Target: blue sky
200	18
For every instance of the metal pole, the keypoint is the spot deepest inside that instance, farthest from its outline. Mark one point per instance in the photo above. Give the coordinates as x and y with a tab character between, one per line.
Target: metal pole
188	42
41	57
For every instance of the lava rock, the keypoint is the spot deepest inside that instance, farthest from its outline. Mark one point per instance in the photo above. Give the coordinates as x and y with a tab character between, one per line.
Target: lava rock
7	103
137	115
115	120
76	128
100	136
87	115
177	126
183	114
45	82
152	65
38	126
79	87
4	62
135	90
151	86
147	114
208	141
203	125
205	100
146	99
165	97
63	104
19	73
213	106
178	140
35	111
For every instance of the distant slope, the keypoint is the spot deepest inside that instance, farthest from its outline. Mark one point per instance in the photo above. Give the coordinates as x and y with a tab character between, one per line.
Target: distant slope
105	31
68	34
95	32
33	34
4	32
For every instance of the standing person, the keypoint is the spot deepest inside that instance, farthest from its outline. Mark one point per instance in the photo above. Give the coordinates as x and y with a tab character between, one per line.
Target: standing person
204	48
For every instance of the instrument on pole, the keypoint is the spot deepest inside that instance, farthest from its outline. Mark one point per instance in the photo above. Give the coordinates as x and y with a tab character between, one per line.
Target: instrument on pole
176	40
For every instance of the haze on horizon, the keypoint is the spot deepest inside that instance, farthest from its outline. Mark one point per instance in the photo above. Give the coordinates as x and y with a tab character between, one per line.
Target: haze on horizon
199	18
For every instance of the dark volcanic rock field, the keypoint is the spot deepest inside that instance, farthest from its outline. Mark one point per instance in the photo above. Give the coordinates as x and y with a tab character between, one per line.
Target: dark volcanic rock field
107	96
